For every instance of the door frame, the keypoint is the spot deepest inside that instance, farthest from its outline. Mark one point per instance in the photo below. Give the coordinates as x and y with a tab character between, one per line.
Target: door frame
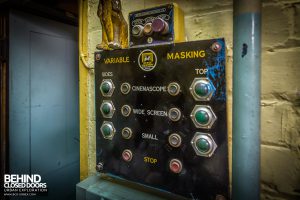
4	25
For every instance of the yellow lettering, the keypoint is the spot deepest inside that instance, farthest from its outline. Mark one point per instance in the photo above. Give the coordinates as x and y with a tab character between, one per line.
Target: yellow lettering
186	55
182	55
150	160
202	53
116	60
169	56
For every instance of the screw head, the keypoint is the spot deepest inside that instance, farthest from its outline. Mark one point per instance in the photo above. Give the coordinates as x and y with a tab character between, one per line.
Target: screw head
99	167
216	47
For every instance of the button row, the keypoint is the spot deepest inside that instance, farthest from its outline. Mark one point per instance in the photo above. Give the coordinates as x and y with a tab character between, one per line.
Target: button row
201	89
202	115
203	143
157	26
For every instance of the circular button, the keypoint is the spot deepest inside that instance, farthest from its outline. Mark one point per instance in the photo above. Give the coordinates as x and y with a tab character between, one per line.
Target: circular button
202	117
174	140
160	26
148	29
125	88
126	133
175	166
173	89
106	108
203	145
137	30
106	87
127	155
174	114
126	110
107	130
202	89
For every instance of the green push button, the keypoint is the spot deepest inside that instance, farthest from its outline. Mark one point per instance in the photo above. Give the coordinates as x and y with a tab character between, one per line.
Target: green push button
106	130
106	108
202	89
202	117
202	145
105	87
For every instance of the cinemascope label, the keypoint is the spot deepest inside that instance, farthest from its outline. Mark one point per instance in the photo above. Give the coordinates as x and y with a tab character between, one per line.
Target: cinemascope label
24	185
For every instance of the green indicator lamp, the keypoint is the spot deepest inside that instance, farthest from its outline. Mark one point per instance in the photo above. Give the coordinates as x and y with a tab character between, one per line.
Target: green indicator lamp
202	89
202	145
106	130
106	108
202	117
105	87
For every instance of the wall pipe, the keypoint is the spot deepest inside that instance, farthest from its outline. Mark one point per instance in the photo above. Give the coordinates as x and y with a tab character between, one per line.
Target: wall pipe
246	100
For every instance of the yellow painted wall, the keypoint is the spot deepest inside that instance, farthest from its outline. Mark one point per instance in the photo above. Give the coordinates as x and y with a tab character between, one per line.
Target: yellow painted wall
280	104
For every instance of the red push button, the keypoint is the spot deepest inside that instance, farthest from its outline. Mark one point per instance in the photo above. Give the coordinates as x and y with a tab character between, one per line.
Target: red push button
127	155
175	166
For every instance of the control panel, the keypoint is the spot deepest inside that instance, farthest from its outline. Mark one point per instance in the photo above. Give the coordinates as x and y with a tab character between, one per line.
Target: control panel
161	117
163	24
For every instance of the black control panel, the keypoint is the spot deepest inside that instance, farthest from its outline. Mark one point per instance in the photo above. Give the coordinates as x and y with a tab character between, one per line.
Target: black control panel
161	117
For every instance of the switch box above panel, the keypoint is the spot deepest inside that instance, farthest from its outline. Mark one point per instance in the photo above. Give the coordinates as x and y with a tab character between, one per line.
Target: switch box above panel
159	25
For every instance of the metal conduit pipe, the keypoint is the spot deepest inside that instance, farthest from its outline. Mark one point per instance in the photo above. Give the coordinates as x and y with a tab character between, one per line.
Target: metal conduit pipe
246	100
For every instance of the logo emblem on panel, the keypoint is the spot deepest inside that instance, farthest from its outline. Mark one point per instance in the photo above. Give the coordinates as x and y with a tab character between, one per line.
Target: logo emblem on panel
147	60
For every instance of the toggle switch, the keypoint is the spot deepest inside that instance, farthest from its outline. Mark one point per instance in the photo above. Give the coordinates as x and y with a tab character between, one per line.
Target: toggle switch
126	110
175	166
174	114
175	140
107	87
125	88
203	116
173	89
127	155
126	133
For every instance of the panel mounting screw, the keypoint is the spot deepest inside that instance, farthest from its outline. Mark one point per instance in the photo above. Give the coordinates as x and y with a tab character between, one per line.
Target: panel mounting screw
216	47
99	167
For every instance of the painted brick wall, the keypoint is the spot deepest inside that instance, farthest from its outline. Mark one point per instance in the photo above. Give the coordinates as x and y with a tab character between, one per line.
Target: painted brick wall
280	104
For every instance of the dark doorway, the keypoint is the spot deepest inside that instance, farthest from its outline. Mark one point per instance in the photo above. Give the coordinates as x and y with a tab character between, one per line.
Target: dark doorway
43	97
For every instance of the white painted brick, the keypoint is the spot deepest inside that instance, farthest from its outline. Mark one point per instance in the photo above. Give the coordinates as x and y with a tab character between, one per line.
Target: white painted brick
280	73
191	7
281	168
297	21
275	28
210	25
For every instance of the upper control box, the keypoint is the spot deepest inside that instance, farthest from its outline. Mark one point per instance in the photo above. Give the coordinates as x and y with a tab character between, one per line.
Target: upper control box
164	24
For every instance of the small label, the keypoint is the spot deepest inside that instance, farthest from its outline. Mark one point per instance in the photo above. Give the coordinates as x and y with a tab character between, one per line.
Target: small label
159	113
107	74
149	136
138	111
149	88
201	71
150	160
113	60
